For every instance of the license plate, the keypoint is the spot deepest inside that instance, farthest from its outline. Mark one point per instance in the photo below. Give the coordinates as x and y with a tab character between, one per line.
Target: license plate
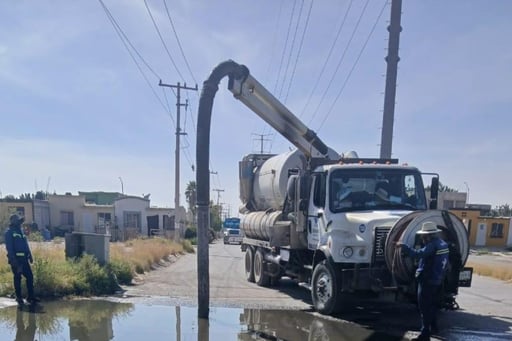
465	277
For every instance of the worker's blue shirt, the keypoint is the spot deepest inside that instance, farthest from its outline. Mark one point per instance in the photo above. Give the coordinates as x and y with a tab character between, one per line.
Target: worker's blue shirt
433	261
16	243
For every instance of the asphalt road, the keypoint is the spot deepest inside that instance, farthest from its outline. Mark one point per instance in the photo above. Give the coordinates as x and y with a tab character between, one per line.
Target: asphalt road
484	313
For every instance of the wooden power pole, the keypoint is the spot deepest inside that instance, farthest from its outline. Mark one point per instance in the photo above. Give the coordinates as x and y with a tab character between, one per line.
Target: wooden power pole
177	217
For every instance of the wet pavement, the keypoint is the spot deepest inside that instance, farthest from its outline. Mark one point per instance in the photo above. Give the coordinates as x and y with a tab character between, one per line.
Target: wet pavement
101	320
117	319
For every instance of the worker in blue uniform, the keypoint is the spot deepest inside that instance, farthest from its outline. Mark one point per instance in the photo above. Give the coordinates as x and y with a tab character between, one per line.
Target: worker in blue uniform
19	257
433	261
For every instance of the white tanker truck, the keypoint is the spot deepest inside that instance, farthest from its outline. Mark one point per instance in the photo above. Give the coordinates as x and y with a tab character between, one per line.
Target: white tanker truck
331	221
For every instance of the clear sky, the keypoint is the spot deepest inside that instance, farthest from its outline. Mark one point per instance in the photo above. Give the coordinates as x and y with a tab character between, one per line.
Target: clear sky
81	109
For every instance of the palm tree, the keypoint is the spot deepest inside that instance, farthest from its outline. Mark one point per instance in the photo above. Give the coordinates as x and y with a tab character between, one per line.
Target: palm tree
190	195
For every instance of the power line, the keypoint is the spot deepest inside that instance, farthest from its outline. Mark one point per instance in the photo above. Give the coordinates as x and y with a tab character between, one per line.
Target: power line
178	40
284	48
291	47
127	44
333	76
353	66
299	51
338	34
162	40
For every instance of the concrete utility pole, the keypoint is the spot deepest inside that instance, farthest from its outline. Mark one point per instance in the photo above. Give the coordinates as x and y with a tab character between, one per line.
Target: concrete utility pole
177	218
261	138
218	194
218	201
392	59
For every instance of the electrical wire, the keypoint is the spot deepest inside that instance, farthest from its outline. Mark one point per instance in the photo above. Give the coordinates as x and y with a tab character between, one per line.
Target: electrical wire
333	76
127	44
338	34
299	51
163	42
291	48
178	40
284	48
353	67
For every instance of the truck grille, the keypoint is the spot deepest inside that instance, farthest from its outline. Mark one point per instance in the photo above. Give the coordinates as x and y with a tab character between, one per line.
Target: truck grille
379	255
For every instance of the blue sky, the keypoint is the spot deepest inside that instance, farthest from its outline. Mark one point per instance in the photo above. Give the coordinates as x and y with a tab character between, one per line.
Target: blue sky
76	113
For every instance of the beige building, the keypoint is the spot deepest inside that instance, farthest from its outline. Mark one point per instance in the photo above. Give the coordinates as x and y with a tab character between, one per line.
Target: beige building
485	231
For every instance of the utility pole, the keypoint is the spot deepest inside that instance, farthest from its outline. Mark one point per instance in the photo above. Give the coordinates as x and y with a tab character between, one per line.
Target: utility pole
261	138
177	218
218	201
392	59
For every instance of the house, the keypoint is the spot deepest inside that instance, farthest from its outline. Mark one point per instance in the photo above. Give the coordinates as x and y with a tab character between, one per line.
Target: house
484	230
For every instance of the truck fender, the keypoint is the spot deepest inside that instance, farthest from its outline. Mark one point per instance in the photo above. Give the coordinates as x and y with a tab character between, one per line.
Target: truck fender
320	254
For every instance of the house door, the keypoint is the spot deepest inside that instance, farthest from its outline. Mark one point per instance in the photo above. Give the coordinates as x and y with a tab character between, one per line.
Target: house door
481	234
153	228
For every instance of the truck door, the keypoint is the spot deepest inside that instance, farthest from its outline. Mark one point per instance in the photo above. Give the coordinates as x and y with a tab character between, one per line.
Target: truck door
316	210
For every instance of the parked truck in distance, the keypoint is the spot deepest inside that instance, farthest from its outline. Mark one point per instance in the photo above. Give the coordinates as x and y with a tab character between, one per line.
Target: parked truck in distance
330	221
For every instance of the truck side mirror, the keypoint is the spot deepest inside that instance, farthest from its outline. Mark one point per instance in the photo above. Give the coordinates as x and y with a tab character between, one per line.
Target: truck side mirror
434	192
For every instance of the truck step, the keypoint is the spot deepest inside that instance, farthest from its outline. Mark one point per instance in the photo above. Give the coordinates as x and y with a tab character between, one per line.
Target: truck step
309	267
305	285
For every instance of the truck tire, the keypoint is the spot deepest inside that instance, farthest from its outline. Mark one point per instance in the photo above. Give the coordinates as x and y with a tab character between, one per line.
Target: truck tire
260	277
249	264
326	289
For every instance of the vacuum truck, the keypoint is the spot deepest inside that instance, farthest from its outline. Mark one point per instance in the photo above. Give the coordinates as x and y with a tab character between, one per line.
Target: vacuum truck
330	221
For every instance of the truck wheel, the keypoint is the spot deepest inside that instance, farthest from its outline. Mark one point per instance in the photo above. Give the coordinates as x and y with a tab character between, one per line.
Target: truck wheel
249	264
326	289
260	277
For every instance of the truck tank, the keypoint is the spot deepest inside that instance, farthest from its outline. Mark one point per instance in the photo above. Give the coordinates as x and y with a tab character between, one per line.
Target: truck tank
270	180
258	224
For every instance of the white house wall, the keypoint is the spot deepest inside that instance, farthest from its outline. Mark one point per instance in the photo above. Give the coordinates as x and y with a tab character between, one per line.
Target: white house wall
132	204
70	203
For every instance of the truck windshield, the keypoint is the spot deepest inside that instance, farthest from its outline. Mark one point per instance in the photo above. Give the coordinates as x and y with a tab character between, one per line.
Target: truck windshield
375	189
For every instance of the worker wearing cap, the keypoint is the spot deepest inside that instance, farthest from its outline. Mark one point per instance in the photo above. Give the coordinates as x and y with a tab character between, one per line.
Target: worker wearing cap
19	256
429	274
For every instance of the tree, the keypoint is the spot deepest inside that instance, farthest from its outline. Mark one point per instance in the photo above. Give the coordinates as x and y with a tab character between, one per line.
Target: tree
215	218
443	188
501	211
191	197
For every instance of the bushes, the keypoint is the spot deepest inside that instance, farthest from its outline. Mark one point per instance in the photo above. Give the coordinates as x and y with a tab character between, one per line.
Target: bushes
54	276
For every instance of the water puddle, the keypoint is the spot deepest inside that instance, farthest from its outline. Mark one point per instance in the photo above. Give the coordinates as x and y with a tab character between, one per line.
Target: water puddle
105	320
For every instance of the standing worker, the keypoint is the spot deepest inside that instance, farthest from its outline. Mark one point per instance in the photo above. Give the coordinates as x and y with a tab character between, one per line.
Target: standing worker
429	274
19	256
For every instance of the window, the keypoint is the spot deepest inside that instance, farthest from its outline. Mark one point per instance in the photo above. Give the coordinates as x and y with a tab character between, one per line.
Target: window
319	189
132	219
375	189
104	219
67	218
497	230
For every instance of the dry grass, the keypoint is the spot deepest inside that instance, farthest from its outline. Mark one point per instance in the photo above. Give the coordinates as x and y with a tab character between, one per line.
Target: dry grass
142	254
498	271
56	276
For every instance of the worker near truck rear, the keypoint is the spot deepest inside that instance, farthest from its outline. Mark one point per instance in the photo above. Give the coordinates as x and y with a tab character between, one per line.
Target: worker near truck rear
19	257
433	261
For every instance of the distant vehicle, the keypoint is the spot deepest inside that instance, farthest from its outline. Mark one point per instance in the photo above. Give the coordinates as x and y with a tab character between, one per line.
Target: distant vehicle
232	236
231	223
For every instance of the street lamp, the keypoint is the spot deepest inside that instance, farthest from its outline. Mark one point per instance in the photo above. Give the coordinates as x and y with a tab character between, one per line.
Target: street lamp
122	186
467	190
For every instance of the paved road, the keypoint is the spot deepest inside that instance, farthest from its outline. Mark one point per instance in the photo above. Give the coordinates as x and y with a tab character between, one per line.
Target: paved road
485	312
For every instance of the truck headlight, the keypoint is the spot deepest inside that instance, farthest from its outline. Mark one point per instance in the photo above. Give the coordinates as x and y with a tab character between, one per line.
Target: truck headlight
348	252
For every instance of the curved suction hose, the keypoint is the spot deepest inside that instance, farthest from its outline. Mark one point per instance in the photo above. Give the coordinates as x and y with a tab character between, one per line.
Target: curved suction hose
210	87
404	231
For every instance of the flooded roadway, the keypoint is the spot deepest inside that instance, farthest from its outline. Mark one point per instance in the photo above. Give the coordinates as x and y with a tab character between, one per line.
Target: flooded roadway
100	320
163	308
